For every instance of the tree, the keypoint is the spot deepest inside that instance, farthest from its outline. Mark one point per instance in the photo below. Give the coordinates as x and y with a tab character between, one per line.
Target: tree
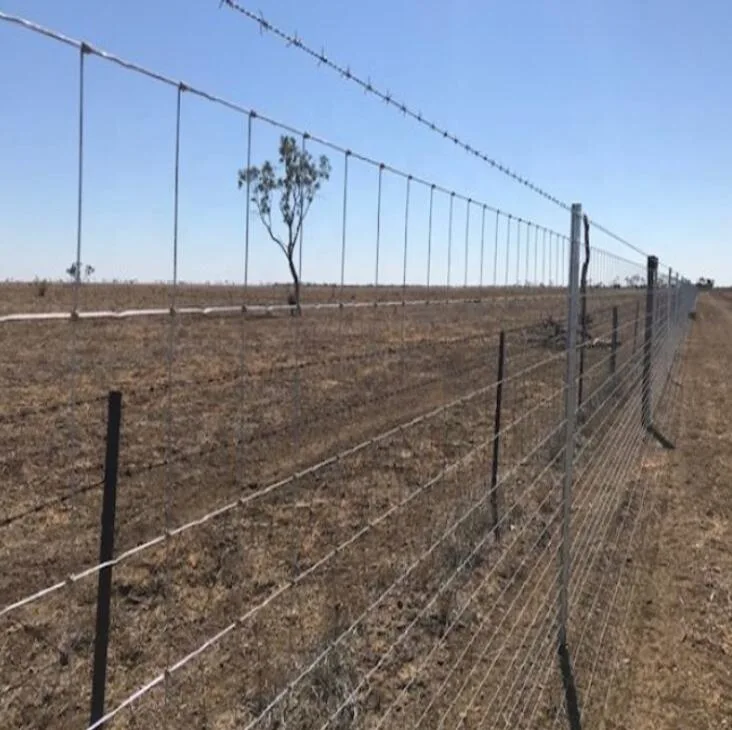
74	271
297	181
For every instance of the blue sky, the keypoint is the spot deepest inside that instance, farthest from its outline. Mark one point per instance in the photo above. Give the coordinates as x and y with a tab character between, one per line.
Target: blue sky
624	106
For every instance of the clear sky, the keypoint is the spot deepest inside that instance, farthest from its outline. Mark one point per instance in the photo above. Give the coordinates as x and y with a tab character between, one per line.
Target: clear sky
622	105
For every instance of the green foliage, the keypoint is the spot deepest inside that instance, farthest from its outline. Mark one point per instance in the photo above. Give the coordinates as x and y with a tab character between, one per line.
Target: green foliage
297	180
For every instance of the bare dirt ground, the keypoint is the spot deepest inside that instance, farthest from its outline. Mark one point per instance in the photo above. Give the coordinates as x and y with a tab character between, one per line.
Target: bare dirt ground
240	412
674	670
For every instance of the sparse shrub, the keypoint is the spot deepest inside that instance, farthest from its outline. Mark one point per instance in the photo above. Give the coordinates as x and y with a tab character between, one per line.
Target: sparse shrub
41	287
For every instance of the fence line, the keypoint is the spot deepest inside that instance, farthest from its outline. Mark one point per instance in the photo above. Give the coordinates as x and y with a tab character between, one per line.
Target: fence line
331	481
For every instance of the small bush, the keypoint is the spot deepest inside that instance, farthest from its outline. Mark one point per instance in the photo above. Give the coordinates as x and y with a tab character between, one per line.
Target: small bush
41	287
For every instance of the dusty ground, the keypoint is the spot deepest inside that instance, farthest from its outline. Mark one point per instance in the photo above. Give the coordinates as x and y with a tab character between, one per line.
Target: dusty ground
675	663
432	623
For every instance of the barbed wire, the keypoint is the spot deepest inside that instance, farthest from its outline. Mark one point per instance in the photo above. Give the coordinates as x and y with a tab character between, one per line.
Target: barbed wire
366	85
608	433
370	88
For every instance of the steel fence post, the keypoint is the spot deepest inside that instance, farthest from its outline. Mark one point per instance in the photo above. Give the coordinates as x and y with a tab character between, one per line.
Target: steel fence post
646	395
106	554
570	410
497	432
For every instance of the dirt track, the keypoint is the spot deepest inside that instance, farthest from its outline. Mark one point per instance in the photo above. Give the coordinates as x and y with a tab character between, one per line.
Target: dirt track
675	665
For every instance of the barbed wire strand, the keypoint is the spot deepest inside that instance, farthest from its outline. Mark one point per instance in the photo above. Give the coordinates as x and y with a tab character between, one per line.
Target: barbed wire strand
386	97
368	87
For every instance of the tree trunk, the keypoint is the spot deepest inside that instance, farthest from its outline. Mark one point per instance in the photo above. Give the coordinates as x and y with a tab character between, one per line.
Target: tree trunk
296	282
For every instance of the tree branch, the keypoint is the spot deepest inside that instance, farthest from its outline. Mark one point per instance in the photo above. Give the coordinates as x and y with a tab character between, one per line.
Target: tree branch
267	222
305	210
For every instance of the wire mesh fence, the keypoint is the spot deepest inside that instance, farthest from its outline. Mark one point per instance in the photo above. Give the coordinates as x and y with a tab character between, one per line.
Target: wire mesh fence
389	510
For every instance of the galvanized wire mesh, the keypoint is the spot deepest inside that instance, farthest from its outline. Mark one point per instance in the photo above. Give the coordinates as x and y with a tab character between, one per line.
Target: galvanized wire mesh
348	518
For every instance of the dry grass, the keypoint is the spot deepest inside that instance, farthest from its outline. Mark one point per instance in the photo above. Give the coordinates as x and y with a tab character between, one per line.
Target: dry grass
672	667
253	399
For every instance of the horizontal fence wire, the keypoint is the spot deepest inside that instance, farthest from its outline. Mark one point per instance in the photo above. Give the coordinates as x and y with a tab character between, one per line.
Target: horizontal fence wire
268	489
338	511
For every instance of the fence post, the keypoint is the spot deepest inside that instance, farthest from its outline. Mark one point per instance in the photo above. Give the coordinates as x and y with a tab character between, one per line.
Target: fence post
614	343
497	432
106	554
583	313
570	409
646	395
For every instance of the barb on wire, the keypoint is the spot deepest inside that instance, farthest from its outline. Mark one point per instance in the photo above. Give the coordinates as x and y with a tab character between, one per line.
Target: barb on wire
368	87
